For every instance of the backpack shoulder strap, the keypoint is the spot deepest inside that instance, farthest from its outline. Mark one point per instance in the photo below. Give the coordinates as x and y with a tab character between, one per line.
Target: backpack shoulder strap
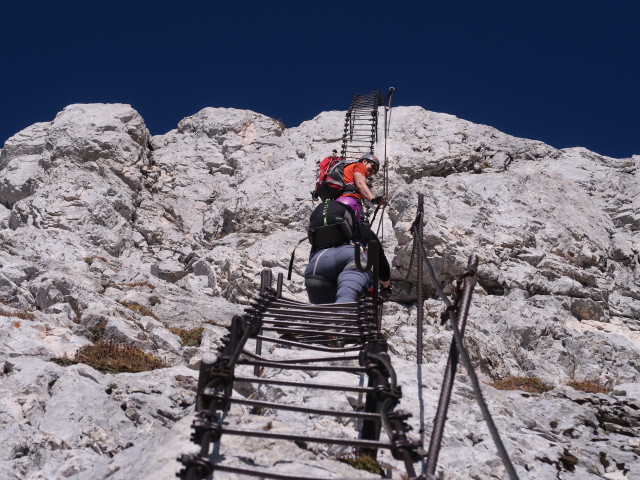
293	257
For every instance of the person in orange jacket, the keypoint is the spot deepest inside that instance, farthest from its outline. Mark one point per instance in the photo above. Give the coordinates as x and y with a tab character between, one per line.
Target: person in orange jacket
355	179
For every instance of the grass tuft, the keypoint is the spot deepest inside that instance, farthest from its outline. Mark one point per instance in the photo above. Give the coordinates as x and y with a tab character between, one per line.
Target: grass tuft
64	361
363	462
112	357
190	338
528	384
24	315
590	386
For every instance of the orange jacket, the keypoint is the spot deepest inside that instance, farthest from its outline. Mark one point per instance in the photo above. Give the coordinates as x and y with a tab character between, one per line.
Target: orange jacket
349	178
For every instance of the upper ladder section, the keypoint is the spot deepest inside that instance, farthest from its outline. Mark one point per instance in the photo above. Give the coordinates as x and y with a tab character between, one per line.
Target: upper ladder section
361	126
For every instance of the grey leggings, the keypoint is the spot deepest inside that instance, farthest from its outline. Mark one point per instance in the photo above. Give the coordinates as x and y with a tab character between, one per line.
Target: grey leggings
331	276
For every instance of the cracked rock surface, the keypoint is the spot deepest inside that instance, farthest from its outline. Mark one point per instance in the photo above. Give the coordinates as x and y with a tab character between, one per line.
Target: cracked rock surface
108	232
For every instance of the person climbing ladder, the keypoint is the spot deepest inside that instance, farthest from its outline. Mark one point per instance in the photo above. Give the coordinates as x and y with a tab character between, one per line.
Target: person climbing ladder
331	275
355	179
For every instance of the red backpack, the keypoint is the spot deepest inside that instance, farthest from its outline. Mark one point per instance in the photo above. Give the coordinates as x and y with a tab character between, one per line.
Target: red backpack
330	179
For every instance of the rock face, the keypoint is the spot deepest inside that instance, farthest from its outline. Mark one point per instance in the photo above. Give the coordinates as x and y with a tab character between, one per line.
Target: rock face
103	226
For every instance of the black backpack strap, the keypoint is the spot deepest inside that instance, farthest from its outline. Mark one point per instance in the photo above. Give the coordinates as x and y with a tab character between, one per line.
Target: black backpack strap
293	257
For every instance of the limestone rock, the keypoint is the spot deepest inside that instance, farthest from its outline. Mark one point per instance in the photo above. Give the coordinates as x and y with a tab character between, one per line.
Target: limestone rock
109	233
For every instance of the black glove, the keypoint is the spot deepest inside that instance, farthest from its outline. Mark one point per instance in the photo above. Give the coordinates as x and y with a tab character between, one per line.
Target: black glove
377	200
386	291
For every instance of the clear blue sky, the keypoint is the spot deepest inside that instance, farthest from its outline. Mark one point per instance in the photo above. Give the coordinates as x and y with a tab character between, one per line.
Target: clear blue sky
564	72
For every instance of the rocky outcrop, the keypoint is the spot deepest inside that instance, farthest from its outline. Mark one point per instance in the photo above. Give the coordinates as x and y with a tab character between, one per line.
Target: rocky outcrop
105	228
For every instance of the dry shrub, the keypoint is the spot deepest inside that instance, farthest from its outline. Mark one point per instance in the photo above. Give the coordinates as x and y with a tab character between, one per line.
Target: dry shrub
590	386
89	260
190	338
112	357
141	309
528	384
96	333
23	314
280	123
138	284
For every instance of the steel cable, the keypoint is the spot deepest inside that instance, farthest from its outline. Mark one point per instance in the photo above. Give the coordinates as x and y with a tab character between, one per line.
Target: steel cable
495	435
431	272
434	447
